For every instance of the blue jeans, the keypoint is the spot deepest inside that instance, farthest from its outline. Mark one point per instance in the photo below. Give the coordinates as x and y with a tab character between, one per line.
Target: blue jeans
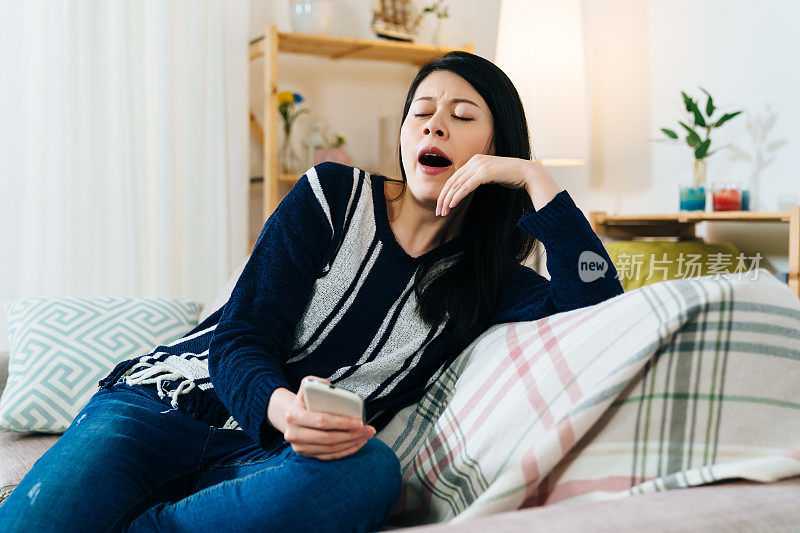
129	463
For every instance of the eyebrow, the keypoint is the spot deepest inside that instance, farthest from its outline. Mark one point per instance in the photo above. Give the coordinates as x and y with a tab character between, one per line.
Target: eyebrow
454	100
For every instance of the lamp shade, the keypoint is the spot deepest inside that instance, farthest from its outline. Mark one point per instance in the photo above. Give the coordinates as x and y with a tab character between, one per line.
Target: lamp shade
540	47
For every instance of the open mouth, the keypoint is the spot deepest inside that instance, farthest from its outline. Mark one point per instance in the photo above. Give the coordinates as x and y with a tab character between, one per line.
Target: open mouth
434	160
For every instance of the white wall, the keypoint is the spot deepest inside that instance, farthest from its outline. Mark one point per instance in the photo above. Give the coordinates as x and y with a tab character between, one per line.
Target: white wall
640	55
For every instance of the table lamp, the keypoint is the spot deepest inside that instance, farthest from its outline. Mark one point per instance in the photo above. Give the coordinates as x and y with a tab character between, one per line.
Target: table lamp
540	47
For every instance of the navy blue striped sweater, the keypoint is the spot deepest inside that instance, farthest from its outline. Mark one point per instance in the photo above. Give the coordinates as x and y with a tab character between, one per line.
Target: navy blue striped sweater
328	291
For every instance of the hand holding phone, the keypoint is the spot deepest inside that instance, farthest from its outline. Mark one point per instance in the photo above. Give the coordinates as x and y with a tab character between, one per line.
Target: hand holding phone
320	432
322	396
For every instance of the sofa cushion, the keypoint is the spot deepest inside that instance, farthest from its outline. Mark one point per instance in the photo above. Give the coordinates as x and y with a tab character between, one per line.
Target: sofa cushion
18	453
675	384
733	506
641	263
62	347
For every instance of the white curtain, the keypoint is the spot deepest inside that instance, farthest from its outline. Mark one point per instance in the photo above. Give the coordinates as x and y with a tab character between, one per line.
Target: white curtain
123	147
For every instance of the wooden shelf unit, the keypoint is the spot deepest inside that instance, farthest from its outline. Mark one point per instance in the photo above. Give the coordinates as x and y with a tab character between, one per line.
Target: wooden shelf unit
335	48
682	225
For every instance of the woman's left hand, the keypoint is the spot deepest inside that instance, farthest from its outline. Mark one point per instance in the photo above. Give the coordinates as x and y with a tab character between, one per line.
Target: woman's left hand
511	172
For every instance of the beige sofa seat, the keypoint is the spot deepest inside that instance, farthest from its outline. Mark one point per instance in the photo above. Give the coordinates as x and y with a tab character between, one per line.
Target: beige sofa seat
733	506
18	451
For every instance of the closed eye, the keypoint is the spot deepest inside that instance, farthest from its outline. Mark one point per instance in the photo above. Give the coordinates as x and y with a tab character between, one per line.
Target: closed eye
454	116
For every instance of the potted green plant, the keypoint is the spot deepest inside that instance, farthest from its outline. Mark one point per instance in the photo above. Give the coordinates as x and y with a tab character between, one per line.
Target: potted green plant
695	140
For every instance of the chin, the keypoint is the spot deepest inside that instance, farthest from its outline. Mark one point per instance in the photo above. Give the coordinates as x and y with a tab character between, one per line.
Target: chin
426	189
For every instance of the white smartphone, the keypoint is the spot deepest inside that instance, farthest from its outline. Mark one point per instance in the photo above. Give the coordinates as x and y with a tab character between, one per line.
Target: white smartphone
324	397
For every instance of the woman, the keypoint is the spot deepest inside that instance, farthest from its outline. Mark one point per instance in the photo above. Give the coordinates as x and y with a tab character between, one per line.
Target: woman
378	295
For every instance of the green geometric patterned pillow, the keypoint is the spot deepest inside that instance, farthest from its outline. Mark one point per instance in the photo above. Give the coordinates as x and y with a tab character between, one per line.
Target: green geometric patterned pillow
61	347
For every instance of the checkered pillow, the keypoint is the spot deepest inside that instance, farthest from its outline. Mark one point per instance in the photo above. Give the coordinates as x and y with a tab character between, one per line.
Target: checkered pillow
61	347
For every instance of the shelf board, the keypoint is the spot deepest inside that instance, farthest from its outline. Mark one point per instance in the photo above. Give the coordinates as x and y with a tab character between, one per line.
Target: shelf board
349	48
691	217
284	178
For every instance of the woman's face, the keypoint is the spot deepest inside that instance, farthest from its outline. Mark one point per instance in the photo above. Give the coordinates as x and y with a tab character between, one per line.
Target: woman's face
448	113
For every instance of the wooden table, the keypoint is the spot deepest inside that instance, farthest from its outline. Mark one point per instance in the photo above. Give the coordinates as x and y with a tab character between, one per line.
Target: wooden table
682	225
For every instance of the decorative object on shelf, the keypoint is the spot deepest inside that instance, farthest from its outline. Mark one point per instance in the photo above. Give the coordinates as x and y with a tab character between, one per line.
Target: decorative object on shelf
290	161
696	143
439	8
311	16
397	20
764	149
333	151
692	198
315	139
726	197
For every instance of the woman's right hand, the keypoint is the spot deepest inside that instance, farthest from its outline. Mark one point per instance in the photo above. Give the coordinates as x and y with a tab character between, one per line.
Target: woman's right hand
323	436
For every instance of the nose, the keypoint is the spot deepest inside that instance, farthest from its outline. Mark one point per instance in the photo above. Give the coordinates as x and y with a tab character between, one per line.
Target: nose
433	125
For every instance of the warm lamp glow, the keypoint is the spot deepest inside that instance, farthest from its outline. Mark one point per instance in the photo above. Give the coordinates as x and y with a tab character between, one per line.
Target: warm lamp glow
561	162
540	47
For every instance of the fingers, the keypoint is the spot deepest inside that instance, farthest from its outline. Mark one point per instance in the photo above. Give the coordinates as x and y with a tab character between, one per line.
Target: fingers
446	188
339	455
302	435
455	191
459	193
300	416
325	444
318	447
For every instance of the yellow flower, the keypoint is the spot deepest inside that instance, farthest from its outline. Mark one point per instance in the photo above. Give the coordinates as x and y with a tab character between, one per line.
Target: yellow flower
285	97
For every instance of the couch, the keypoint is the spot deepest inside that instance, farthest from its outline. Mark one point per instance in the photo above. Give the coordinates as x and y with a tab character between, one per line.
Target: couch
433	463
729	506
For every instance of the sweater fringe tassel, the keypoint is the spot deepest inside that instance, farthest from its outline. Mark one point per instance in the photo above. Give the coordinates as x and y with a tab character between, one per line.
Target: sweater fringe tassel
156	373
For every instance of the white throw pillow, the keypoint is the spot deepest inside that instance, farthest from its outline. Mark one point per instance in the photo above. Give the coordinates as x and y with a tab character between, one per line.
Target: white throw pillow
61	347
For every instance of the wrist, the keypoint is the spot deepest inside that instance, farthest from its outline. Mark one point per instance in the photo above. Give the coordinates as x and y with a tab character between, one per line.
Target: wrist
278	407
540	185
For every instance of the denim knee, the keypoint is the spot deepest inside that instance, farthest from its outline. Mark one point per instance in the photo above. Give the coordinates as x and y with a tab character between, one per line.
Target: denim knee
383	459
383	468
377	462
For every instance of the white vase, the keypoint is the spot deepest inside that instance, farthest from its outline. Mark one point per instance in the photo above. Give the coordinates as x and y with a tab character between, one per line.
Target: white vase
311	16
440	37
290	161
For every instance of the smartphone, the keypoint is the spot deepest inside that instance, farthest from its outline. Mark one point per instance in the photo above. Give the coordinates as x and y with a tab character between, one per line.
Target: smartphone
326	398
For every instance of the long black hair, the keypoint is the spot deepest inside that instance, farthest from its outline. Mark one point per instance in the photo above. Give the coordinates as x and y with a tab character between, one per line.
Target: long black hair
468	288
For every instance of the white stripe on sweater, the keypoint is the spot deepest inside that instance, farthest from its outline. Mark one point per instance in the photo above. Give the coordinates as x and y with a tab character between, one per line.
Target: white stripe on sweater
335	320
410	367
316	186
190	337
331	288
